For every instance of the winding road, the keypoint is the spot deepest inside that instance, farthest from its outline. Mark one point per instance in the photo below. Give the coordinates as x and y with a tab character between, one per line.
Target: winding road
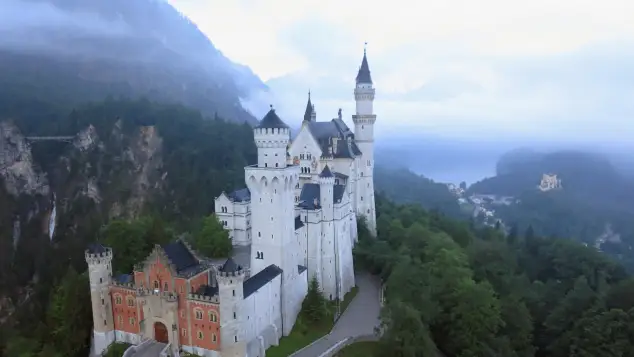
359	319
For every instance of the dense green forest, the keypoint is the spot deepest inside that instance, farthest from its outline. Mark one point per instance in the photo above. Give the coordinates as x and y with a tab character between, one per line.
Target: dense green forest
476	292
595	197
404	186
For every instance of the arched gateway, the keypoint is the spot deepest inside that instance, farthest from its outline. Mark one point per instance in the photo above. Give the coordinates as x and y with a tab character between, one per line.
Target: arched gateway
160	333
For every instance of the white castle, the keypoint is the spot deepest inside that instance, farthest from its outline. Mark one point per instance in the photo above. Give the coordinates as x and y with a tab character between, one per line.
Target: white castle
298	215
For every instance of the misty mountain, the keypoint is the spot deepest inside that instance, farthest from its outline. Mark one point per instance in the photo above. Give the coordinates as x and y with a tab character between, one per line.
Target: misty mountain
86	50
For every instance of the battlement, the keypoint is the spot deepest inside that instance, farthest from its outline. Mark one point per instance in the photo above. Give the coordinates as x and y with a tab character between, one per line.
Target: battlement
327	180
98	256
236	274
129	286
165	295
204	298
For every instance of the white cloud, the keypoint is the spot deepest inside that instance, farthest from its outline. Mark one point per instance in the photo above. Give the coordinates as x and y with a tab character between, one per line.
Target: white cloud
491	67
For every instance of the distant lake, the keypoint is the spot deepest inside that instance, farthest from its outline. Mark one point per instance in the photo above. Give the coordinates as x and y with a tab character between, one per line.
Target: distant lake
457	174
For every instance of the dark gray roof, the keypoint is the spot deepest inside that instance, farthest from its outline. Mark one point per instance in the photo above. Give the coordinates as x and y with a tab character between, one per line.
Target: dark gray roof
298	223
271	120
230	266
364	71
241	195
325	131
311	191
260	279
309	109
178	253
326	172
96	248
340	175
124	278
207	290
301	268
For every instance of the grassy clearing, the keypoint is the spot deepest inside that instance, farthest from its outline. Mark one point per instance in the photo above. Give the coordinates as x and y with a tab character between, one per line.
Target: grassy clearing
305	333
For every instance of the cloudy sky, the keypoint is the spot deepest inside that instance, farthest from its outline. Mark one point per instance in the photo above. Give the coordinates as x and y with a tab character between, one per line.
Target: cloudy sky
538	69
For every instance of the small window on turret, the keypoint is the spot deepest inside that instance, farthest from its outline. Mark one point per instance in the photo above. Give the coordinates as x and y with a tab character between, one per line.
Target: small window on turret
235	338
234	294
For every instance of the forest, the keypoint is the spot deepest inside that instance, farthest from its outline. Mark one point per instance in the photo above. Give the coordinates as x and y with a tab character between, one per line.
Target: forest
472	292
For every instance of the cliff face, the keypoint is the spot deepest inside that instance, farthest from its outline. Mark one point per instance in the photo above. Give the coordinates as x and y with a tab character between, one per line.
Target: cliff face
100	176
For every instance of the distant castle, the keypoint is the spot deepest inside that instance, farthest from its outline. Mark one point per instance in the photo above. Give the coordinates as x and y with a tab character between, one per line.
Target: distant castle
298	215
549	182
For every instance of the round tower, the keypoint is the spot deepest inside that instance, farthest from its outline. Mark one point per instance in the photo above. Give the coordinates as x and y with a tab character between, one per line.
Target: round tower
99	259
329	255
230	278
272	136
364	120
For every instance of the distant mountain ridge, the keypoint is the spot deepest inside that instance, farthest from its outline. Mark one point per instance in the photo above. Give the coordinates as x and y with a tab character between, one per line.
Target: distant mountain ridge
87	50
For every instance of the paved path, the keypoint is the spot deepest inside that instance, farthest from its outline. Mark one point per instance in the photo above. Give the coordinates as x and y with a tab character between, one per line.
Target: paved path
359	319
153	349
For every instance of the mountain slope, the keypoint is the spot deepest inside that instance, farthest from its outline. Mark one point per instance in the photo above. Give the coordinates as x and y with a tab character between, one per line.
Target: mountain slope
85	50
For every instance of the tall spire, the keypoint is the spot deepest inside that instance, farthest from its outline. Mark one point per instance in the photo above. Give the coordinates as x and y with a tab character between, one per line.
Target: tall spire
364	71
309	108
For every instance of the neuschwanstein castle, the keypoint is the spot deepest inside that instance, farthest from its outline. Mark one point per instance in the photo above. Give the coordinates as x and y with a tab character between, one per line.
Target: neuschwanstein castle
297	213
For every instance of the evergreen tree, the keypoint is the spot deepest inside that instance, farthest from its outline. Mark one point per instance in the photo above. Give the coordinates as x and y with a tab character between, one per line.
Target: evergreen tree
212	240
314	307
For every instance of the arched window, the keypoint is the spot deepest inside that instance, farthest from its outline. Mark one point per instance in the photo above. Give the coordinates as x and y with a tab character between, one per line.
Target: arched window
165	287
200	335
132	321
118	299
212	316
156	284
199	314
213	337
130	300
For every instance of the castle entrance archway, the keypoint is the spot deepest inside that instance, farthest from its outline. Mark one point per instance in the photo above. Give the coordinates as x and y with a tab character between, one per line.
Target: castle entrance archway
160	333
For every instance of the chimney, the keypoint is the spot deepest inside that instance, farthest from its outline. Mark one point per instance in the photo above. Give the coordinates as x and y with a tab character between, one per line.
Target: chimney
339	114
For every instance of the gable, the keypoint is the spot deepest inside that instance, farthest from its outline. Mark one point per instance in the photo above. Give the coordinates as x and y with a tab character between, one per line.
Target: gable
303	143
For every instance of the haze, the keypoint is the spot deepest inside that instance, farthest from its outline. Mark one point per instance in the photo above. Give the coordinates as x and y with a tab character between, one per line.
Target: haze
540	69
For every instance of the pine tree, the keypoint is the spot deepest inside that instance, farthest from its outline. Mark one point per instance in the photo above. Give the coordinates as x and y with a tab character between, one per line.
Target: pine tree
314	306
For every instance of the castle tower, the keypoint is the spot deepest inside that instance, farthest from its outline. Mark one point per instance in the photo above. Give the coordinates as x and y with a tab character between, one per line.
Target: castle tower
364	120
329	256
272	185
99	259
230	278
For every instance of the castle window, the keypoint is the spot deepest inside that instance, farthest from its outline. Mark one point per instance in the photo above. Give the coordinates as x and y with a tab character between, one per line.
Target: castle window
130	301
301	156
182	314
276	164
132	321
234	294
118	300
184	332
156	284
234	315
199	314
200	335
214	338
266	165
101	280
259	255
120	320
165	287
259	234
361	198
103	302
213	317
235	338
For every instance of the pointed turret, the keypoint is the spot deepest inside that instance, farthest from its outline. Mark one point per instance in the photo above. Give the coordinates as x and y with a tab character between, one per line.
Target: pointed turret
309	109
364	71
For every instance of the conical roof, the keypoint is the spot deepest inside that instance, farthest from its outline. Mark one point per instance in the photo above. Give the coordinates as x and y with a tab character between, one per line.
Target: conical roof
326	172
271	120
309	109
364	71
230	266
